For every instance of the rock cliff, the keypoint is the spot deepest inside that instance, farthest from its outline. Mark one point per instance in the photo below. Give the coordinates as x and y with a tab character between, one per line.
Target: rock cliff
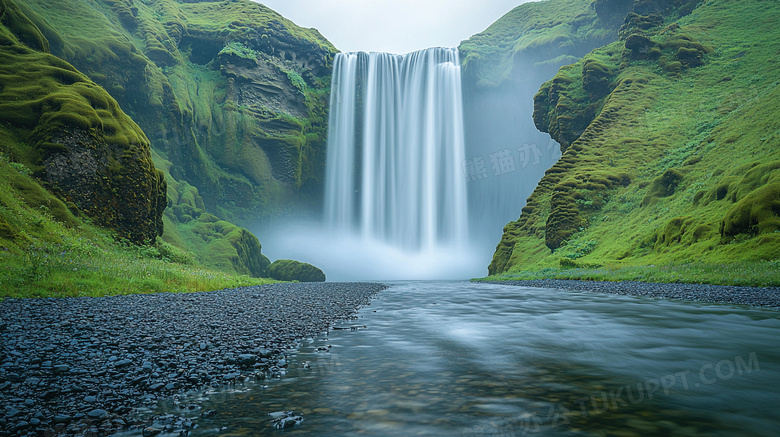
671	145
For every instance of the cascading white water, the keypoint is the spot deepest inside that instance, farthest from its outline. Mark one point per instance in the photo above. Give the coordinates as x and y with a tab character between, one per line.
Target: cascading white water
395	150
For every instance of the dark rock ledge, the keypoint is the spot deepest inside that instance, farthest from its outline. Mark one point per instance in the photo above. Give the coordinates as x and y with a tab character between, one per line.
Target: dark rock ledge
83	366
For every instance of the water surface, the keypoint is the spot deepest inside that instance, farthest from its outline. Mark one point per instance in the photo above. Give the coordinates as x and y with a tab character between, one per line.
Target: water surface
469	359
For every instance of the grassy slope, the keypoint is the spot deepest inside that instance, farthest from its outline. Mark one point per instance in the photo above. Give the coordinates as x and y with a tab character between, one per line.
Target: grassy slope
676	176
73	135
549	33
144	53
47	251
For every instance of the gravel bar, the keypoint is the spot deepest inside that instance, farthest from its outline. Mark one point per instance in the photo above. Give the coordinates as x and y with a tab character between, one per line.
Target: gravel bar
82	366
767	297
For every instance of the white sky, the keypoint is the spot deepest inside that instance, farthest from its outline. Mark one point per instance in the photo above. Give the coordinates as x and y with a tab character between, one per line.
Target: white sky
395	26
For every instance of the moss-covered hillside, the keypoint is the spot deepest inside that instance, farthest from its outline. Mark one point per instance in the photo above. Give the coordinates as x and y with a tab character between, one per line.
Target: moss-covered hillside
231	93
536	38
231	96
671	139
73	137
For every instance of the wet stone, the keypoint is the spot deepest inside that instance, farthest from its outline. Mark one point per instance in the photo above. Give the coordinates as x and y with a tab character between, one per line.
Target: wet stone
97	414
75	360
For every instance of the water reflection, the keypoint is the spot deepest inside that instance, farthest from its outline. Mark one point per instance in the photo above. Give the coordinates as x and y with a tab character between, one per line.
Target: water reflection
464	359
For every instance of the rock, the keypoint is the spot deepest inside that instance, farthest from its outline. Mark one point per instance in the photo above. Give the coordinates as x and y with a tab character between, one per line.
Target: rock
209	413
285	419
151	432
289	270
97	414
62	418
60	369
247	359
253	322
122	363
21	426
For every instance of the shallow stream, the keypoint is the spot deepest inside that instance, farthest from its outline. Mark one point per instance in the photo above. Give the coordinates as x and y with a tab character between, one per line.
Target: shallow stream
471	359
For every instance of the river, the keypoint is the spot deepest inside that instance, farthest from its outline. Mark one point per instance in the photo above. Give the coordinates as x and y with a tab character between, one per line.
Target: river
473	359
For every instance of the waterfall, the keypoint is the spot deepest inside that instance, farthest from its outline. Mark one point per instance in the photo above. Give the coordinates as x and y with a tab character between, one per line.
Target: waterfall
396	149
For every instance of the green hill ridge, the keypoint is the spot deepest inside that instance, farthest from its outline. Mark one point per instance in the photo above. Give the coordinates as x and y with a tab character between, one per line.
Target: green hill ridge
671	163
230	101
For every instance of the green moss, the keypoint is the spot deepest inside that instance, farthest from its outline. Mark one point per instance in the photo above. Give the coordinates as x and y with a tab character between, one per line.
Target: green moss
663	186
289	270
73	134
533	34
18	27
160	60
757	213
238	49
596	77
696	143
636	23
563	221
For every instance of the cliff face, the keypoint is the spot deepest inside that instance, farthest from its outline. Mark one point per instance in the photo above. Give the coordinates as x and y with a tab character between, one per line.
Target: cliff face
671	145
73	135
503	67
231	96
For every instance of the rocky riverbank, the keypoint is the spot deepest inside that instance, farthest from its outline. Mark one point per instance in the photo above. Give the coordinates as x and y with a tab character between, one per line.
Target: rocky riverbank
83	365
767	297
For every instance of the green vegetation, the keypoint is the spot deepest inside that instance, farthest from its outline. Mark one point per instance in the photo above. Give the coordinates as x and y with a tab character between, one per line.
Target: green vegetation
671	164
289	270
48	251
238	49
748	274
544	35
231	93
69	132
232	99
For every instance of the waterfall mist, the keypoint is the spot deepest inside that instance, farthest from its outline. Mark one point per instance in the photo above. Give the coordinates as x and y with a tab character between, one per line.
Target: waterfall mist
395	199
506	156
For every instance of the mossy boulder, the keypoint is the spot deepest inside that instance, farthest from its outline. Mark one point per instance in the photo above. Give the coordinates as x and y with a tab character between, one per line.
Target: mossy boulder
289	270
611	9
636	23
756	213
596	77
663	186
74	136
641	46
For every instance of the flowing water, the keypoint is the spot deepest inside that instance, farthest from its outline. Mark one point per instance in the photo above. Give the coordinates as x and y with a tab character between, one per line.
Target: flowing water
395	199
395	148
469	359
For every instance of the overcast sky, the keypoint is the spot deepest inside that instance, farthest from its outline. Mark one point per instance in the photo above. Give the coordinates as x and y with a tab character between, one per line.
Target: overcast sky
395	26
